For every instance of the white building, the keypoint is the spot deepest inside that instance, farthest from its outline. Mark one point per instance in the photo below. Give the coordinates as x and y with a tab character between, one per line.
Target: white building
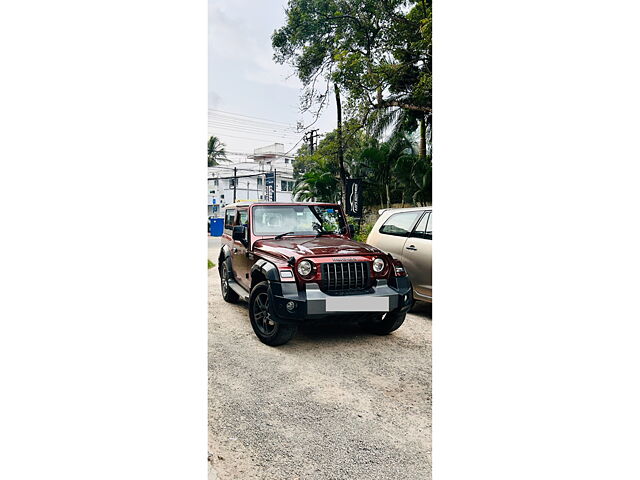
249	179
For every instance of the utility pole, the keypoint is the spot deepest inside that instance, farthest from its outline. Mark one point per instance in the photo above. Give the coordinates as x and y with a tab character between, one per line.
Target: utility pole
310	137
235	182
275	188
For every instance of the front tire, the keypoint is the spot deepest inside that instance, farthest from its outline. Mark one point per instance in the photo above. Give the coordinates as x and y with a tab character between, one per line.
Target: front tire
264	322
225	275
390	322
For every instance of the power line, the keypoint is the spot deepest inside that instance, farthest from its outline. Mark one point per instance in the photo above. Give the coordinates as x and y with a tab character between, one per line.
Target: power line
246	124
246	116
247	176
262	140
231	168
297	143
252	132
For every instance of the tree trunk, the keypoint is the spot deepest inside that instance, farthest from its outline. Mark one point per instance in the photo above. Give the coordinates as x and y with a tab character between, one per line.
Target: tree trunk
423	140
343	173
388	196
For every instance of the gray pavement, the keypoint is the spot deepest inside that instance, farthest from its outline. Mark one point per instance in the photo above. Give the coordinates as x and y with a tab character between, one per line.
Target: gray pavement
214	248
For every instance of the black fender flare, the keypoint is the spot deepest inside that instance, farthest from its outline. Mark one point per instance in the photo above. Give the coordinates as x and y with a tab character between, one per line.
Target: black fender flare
267	269
225	253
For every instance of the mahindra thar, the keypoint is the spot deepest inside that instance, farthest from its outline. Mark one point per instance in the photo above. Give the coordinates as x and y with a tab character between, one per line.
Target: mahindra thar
296	263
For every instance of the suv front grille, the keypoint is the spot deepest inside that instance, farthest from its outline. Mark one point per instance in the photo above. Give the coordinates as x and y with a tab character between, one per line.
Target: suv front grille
342	278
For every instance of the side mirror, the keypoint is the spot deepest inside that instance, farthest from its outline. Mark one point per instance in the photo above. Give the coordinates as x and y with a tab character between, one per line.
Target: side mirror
352	230
239	233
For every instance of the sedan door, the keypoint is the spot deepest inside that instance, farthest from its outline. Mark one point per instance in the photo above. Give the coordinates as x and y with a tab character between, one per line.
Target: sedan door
394	231
416	258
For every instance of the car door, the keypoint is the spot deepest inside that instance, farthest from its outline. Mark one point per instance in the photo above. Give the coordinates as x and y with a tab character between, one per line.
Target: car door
394	231
239	251
416	258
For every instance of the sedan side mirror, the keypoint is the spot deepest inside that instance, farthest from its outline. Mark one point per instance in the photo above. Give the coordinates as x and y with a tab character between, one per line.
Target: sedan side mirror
239	233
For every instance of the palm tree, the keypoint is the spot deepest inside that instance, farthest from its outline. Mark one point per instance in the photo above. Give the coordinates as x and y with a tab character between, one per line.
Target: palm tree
318	184
422	179
378	160
398	122
216	152
414	178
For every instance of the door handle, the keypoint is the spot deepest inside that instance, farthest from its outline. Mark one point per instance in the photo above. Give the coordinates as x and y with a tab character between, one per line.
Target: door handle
411	247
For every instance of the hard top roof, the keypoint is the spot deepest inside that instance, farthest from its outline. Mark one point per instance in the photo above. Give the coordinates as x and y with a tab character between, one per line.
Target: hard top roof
247	204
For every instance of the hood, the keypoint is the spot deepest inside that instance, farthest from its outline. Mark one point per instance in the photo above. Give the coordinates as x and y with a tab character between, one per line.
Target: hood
286	248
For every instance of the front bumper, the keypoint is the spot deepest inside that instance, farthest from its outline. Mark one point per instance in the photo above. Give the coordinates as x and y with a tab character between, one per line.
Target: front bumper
312	303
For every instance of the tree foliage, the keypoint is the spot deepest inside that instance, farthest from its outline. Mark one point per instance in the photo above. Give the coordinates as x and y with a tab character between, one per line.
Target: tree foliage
215	152
392	171
377	53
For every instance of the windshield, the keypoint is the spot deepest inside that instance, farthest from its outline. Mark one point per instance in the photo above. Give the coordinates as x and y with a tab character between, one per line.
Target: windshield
298	219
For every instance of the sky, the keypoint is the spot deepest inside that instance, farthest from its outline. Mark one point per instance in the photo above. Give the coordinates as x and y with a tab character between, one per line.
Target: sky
253	101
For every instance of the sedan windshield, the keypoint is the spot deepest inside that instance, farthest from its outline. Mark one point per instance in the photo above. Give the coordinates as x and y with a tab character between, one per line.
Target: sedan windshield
297	220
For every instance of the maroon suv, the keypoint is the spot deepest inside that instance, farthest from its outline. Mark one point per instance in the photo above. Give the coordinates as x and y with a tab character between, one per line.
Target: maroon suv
296	262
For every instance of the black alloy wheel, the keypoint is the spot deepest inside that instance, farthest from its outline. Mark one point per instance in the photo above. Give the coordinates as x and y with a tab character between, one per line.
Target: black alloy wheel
262	315
264	321
227	292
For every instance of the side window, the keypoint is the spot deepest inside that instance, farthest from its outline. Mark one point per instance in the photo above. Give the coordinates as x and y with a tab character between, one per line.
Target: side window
429	226
421	229
400	224
243	216
229	217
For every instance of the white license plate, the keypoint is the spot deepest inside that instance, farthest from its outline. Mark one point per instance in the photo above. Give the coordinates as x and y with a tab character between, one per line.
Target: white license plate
357	304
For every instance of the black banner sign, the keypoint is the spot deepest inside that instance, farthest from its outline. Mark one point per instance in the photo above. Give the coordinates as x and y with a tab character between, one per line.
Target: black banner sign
354	197
270	184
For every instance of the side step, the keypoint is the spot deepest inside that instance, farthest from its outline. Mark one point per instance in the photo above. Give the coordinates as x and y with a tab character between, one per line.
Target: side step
236	287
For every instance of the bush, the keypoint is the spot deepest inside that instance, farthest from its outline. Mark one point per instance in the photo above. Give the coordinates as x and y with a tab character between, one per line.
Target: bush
365	229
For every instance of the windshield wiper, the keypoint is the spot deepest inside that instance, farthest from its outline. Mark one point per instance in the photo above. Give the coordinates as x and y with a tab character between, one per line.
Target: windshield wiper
278	237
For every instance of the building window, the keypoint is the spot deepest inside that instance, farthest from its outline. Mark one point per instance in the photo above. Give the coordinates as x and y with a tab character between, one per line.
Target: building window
215	182
286	185
259	181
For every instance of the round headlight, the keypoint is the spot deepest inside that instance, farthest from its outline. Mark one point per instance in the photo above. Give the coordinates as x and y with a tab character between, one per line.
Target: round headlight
378	265
304	268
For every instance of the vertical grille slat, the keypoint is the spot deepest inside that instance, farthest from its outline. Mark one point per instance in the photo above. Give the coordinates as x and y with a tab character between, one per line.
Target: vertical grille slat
351	277
355	269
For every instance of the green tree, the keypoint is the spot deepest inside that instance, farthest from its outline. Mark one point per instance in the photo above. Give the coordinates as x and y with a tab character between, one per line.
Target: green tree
413	178
318	183
378	161
215	152
378	52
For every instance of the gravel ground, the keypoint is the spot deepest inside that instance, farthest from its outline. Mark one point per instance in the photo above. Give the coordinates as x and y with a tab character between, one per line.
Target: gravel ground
334	403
